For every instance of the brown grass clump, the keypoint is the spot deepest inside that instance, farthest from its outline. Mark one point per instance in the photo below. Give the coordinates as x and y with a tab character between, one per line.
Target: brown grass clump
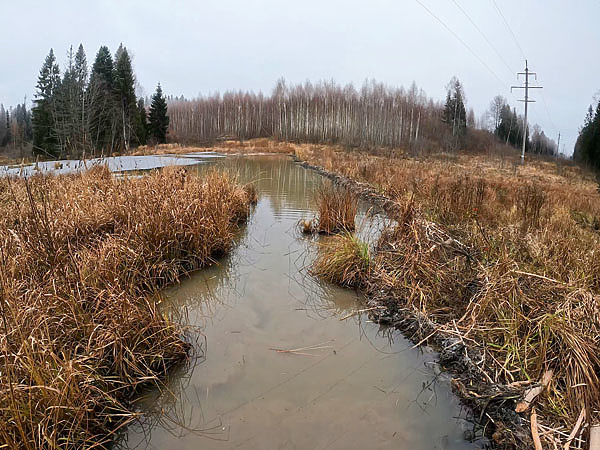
337	209
82	258
342	259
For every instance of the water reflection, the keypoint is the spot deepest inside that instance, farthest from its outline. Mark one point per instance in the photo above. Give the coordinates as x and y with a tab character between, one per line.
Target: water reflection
349	384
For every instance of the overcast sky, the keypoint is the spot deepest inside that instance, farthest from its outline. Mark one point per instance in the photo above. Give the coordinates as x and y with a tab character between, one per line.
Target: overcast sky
194	47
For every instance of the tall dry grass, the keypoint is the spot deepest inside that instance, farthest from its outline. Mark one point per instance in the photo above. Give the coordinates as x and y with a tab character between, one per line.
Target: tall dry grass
81	260
337	208
343	259
504	254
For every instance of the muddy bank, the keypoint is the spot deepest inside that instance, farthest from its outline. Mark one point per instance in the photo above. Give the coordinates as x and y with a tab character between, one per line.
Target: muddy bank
492	404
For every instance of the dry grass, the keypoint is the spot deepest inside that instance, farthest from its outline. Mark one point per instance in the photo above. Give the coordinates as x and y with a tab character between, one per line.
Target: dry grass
82	258
232	146
342	259
507	255
337	208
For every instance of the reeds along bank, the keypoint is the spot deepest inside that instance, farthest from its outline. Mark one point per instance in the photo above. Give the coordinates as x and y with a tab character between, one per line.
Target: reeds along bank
82	259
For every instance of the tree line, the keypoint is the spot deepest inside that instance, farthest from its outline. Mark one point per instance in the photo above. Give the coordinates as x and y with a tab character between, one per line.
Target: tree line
93	111
587	146
509	127
96	111
16	130
374	115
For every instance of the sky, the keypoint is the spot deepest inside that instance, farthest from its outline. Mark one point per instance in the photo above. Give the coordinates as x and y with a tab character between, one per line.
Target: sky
201	47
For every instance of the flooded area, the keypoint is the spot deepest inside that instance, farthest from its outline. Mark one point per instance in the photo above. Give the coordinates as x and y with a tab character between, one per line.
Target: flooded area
114	164
348	384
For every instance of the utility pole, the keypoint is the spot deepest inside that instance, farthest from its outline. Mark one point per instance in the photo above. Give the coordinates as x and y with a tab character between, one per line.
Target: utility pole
527	73
558	145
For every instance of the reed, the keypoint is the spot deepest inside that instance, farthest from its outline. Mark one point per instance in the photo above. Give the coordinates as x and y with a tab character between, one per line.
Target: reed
336	208
81	262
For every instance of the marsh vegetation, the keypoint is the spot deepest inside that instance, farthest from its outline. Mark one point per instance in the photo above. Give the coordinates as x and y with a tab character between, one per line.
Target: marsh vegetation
82	260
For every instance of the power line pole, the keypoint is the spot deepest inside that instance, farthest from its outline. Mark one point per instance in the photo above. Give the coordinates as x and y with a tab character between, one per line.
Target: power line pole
558	145
527	73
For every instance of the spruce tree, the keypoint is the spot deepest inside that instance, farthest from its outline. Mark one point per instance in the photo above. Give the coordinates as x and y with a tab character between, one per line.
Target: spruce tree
43	114
102	105
125	94
141	123
80	70
587	146
158	123
455	113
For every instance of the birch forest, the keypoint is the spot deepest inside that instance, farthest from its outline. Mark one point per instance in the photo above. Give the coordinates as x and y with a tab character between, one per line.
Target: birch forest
374	115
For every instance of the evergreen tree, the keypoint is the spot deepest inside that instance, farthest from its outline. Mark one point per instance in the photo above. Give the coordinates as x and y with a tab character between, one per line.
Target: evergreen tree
141	123
80	73
3	126
455	114
7	134
159	120
125	94
587	146
66	106
43	114
102	105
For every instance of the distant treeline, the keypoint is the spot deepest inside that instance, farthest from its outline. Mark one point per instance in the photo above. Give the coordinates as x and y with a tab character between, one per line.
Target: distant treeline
587	147
509	126
96	111
16	130
93	112
374	115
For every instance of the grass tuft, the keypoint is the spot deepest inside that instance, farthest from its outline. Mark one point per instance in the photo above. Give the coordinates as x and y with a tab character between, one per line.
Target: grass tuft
342	259
337	209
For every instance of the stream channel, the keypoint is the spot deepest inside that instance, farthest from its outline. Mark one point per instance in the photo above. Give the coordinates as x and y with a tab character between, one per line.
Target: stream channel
353	384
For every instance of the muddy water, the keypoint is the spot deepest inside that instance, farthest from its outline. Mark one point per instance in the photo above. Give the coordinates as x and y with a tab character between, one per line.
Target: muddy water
353	385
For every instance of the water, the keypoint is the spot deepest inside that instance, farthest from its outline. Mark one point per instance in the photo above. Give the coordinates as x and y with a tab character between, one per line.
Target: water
366	387
114	164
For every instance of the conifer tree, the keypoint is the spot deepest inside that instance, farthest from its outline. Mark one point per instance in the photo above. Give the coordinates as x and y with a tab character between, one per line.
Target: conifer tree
455	114
80	70
125	94
158	123
102	102
43	114
587	146
141	123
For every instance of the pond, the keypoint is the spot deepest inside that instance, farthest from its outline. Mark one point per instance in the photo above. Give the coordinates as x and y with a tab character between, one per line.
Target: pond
349	384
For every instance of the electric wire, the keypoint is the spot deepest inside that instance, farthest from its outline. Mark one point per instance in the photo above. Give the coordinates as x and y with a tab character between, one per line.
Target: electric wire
510	69
509	28
483	63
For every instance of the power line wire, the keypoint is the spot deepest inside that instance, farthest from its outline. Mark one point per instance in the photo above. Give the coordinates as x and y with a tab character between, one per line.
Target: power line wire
432	14
509	28
510	69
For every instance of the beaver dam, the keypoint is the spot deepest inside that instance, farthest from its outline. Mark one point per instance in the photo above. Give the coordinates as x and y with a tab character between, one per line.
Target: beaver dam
285	360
